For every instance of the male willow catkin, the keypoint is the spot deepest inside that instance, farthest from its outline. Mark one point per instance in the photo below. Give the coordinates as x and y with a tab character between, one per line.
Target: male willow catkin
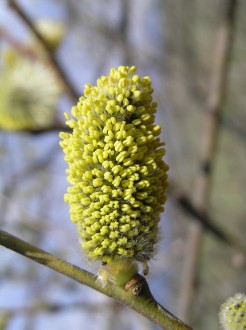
233	313
116	169
29	92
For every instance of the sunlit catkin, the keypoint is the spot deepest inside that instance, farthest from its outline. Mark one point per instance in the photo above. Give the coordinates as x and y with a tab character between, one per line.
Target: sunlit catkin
115	168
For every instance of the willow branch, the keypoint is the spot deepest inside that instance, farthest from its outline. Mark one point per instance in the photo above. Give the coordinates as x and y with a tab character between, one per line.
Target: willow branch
50	54
19	46
208	223
45	306
212	121
137	295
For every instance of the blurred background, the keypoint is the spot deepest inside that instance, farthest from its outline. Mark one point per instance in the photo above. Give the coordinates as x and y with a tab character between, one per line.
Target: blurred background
195	53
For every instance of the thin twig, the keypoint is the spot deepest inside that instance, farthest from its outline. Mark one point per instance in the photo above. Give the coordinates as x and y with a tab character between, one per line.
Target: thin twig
19	46
50	54
138	296
49	307
219	80
183	201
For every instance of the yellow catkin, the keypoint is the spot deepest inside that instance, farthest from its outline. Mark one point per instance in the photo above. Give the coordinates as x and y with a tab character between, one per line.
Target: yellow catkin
233	313
115	168
29	92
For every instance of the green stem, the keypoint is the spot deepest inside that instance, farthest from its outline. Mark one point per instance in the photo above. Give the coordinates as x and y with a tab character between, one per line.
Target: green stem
142	301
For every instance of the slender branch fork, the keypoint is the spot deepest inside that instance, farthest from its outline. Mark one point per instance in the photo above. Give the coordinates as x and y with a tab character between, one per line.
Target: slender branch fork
137	296
51	56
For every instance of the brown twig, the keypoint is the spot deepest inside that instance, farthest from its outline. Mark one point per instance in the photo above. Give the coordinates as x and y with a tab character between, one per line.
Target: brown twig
219	80
22	49
184	202
50	307
50	54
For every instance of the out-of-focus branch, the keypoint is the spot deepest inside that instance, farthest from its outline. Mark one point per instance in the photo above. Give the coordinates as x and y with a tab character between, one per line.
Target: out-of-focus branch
49	307
136	293
185	203
216	98
123	31
24	50
56	127
50	54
